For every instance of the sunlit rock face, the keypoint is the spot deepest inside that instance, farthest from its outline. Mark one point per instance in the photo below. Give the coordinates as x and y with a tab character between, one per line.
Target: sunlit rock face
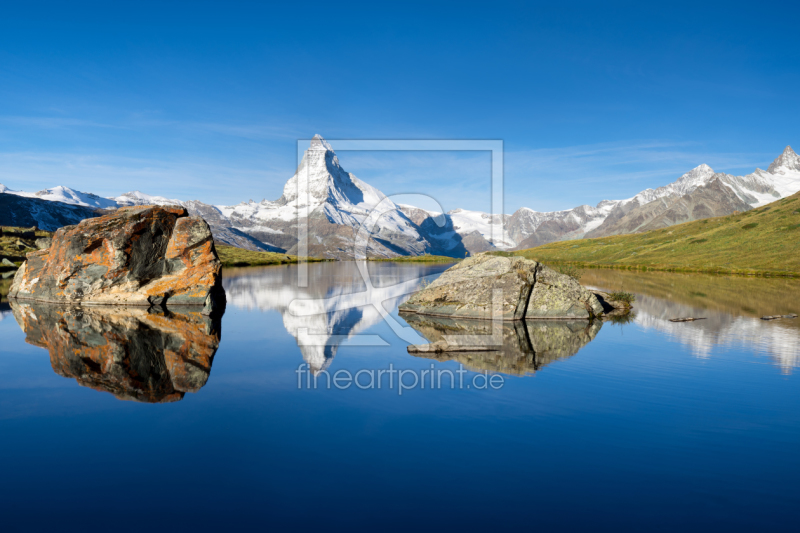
527	345
523	289
134	353
135	256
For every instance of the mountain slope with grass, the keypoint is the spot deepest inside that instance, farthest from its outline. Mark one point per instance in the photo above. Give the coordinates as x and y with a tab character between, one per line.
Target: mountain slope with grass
762	241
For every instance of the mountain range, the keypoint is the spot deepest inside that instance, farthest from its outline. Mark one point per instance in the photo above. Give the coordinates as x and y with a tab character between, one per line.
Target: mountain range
333	204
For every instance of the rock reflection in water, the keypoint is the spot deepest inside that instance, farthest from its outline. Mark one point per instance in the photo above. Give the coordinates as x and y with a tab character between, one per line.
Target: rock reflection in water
134	353
527	345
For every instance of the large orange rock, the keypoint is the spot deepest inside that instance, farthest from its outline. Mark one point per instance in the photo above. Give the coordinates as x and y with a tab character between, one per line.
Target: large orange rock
143	255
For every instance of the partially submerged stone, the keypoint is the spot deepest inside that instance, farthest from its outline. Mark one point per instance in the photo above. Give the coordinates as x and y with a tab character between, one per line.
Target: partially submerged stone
609	303
143	255
557	295
528	289
443	346
466	290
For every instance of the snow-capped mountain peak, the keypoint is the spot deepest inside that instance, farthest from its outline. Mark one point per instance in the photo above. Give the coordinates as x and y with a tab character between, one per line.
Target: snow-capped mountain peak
318	143
65	195
787	161
320	178
333	204
697	177
140	198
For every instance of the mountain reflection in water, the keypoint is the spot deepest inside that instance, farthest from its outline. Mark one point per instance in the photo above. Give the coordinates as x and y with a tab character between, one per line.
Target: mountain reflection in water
527	345
336	305
731	305
134	353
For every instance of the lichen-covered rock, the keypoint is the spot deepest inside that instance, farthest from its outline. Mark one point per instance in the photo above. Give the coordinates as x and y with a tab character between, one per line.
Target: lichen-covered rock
143	255
557	295
143	354
529	290
466	289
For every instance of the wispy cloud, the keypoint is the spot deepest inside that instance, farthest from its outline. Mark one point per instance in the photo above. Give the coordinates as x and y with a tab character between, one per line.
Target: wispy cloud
542	179
106	175
560	178
253	131
52	123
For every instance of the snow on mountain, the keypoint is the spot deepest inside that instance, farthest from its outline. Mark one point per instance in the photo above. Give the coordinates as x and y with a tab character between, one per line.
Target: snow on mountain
320	182
530	228
140	198
66	195
788	161
493	228
334	204
330	198
753	190
27	211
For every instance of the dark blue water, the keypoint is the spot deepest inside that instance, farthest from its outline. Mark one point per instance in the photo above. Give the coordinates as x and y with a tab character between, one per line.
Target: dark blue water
647	427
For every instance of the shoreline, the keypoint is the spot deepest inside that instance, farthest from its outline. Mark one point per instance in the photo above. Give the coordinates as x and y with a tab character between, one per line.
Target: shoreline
681	270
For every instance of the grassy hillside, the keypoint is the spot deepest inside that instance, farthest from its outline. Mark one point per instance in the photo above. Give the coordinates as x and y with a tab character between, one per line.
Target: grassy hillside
16	242
763	241
232	256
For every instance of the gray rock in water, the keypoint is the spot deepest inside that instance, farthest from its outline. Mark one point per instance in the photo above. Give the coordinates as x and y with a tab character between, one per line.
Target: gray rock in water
466	289
557	295
609	304
528	290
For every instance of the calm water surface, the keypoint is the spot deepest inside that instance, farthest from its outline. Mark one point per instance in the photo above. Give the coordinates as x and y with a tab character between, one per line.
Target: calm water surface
128	421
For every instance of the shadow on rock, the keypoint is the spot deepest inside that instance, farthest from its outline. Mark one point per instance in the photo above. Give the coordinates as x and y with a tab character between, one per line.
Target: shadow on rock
528	345
146	355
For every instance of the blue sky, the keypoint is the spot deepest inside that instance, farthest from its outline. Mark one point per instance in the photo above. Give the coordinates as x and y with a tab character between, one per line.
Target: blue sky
206	100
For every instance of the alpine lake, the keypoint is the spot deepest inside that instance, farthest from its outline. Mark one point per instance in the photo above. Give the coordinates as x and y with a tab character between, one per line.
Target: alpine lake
300	409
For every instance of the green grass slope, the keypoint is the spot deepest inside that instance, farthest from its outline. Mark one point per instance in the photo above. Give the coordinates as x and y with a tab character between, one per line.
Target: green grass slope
232	256
418	259
763	241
